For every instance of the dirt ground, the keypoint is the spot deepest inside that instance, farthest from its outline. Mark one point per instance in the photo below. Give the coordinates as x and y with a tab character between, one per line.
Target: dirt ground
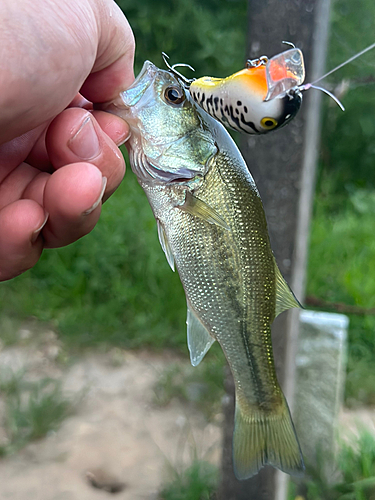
117	439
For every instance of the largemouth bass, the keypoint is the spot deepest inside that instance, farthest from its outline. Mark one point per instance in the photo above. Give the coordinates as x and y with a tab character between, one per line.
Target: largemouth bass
212	228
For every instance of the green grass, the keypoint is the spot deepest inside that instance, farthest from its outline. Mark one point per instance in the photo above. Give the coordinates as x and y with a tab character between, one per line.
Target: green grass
355	476
31	409
342	257
342	251
198	482
201	386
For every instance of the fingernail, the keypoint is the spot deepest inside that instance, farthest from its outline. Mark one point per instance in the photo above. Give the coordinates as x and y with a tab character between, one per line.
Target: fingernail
37	232
122	141
92	208
85	142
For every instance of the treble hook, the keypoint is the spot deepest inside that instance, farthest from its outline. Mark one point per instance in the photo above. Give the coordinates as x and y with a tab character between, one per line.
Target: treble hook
173	70
289	43
256	63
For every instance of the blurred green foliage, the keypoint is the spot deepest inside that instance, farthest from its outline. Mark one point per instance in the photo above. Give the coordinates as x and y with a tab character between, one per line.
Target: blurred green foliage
354	478
348	146
342	247
208	35
342	252
197	482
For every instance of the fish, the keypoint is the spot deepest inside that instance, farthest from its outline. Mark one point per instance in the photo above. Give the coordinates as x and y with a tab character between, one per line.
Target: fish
262	97
212	228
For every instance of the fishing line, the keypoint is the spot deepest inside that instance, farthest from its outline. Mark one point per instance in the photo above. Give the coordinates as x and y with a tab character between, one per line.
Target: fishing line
312	85
359	54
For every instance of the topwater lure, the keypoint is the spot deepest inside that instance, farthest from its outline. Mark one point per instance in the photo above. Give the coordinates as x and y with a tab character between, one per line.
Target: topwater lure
260	98
264	96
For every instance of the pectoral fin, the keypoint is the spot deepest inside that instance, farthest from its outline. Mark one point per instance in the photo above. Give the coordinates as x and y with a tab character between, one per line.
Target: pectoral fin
198	338
199	208
165	244
285	298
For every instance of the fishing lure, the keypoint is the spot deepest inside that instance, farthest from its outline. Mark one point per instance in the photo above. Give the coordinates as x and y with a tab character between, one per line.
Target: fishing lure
264	96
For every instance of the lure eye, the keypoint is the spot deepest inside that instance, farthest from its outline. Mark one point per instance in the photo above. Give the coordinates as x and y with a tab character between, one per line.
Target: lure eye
268	123
174	95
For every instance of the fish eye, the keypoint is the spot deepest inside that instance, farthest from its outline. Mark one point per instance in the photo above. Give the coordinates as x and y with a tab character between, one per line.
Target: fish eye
174	95
268	123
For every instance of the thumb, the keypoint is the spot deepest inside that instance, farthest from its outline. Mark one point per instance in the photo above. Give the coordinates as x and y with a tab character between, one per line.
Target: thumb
113	68
60	45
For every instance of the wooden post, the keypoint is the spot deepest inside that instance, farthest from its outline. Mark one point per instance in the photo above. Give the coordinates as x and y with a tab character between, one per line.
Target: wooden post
283	165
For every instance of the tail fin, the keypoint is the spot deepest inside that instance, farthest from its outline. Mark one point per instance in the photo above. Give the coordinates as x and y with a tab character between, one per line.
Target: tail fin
264	438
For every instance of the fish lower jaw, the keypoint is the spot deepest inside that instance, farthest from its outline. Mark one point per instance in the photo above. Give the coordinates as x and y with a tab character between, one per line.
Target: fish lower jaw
116	107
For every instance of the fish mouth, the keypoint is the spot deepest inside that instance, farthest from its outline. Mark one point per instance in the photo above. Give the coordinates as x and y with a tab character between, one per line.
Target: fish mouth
148	68
146	76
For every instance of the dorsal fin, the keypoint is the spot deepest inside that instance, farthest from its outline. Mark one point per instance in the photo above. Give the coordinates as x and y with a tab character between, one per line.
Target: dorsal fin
285	298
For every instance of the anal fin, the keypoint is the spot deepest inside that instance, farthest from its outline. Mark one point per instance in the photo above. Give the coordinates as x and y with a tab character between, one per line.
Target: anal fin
198	338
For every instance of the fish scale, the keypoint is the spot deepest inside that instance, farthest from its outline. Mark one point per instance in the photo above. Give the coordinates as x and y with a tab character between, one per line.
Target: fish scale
212	227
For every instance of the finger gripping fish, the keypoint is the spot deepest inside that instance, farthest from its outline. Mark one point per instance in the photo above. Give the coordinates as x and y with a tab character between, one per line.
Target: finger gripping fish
212	228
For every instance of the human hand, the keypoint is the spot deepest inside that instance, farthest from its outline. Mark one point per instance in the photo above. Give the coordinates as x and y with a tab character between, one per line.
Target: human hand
58	158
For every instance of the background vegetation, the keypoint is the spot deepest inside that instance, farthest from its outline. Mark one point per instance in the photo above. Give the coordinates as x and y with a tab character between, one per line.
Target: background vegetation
342	247
114	287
